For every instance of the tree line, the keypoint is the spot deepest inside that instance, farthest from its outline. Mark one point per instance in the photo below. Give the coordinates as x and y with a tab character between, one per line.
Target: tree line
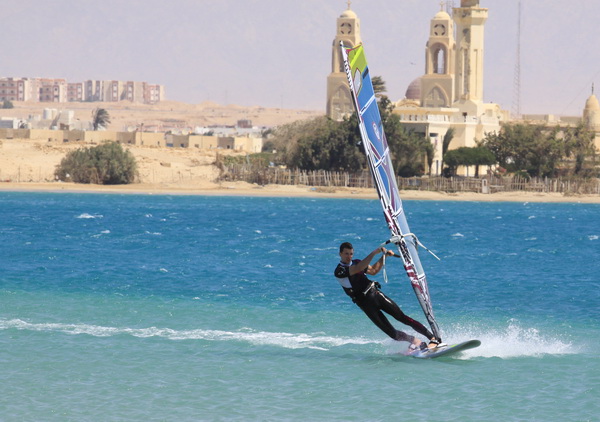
538	150
526	149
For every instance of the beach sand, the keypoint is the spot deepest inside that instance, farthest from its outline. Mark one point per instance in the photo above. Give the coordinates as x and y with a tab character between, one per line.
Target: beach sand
246	189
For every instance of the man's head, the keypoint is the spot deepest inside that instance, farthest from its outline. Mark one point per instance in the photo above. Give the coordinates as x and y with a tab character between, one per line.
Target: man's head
346	252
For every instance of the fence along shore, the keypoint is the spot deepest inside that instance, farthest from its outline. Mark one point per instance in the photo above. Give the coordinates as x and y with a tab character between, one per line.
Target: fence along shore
333	179
486	184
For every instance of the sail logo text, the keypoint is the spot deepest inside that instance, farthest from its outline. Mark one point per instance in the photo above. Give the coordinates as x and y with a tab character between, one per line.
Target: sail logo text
376	130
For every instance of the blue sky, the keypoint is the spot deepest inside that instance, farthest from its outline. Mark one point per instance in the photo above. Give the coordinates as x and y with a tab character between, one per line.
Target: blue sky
277	53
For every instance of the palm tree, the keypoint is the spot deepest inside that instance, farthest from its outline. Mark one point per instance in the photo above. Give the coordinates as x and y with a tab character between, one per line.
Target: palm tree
430	152
378	86
100	118
385	105
446	144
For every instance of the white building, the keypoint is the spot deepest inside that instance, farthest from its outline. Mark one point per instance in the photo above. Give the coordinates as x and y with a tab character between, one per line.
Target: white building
450	92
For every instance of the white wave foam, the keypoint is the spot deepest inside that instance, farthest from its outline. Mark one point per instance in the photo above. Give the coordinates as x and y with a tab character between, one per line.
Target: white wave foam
285	340
513	341
86	215
510	342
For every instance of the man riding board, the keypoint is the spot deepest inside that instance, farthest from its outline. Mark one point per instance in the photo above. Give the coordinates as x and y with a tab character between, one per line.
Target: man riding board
352	276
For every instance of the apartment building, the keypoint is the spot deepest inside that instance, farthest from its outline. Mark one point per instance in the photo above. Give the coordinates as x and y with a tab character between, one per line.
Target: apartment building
12	89
59	90
75	92
50	90
92	90
153	93
134	91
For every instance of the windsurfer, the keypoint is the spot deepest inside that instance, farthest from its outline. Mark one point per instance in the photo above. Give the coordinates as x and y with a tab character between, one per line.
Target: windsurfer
352	275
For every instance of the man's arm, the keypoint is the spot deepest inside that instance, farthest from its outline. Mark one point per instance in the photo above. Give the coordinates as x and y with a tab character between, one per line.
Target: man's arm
364	264
375	268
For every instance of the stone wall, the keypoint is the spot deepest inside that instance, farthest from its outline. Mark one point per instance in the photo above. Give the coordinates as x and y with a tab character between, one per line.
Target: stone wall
250	145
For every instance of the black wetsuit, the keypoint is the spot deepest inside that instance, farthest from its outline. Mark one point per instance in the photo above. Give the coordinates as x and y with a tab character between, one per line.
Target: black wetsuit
365	293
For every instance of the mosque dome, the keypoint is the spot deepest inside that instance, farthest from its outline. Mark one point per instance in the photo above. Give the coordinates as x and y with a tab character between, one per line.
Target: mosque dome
442	15
592	103
413	92
348	14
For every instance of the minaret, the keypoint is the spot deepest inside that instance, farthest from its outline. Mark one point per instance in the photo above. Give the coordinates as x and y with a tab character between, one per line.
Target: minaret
339	101
469	18
437	85
591	117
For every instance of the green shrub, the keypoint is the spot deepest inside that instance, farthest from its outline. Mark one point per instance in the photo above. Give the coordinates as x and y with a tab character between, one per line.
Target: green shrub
260	159
106	164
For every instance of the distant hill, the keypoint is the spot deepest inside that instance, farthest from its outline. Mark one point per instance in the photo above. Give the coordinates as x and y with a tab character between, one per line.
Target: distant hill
125	114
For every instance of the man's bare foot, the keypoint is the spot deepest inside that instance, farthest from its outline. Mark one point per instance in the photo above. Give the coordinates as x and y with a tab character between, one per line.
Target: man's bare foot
433	343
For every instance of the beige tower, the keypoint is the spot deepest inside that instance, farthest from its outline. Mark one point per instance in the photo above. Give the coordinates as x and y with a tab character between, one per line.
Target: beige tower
591	117
437	85
469	18
339	101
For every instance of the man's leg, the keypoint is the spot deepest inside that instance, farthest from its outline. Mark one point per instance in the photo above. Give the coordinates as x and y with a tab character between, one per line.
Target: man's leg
379	319
389	306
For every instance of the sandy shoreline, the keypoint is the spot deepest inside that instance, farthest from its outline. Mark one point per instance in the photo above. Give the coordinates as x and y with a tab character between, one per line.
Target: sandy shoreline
246	189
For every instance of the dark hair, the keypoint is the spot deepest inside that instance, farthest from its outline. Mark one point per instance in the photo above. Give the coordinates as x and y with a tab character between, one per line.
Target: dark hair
346	245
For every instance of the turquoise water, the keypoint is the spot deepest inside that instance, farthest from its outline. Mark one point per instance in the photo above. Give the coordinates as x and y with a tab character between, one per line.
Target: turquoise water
191	308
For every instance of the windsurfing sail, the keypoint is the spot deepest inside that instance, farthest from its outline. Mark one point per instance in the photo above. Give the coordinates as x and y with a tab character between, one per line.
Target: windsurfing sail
380	162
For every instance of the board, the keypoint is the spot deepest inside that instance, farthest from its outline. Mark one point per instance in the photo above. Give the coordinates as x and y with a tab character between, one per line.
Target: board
446	350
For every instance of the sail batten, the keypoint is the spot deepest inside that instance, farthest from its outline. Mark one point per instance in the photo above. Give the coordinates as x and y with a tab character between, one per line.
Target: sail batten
380	164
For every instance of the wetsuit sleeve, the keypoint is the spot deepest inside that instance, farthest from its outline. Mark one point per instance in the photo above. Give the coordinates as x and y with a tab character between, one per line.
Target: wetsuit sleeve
341	272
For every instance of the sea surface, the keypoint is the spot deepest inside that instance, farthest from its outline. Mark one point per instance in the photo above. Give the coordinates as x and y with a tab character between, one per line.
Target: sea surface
201	308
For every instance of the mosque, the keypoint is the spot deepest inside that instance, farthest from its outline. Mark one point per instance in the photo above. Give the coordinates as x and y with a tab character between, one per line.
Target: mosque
450	92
